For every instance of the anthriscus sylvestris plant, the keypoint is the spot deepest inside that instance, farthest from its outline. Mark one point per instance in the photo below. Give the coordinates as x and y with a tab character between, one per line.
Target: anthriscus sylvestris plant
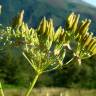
45	47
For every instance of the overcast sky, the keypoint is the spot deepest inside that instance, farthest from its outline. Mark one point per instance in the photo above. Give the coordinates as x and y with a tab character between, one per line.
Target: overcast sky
92	2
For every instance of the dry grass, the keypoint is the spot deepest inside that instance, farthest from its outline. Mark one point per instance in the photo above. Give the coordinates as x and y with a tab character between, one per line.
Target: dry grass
51	92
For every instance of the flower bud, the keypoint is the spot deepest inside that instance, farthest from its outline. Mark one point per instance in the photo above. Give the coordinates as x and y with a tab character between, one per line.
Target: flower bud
84	27
57	34
92	42
42	26
70	20
75	23
87	41
18	20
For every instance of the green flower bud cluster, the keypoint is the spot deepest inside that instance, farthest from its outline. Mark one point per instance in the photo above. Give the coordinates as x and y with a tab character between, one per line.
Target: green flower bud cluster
86	42
45	47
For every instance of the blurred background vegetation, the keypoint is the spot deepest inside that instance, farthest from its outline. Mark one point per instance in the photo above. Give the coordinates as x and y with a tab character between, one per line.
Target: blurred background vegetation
14	72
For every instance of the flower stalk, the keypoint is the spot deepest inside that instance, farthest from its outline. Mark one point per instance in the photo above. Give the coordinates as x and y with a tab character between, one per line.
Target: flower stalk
32	85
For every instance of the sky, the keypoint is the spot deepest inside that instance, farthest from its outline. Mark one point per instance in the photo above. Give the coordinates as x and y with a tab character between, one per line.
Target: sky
92	2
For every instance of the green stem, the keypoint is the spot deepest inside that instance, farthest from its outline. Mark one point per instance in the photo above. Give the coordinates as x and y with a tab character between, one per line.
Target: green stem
69	61
32	85
51	69
1	90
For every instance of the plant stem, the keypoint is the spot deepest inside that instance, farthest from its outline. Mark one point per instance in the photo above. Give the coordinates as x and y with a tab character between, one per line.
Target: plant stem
51	69
32	85
69	61
1	90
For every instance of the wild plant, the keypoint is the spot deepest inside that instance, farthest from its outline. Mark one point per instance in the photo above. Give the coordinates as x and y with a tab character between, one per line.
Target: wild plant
46	47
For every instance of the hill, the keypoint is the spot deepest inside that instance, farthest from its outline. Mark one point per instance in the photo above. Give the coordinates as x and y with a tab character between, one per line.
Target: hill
56	9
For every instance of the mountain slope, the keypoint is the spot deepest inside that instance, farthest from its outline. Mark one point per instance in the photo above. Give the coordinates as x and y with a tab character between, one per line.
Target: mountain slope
56	9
